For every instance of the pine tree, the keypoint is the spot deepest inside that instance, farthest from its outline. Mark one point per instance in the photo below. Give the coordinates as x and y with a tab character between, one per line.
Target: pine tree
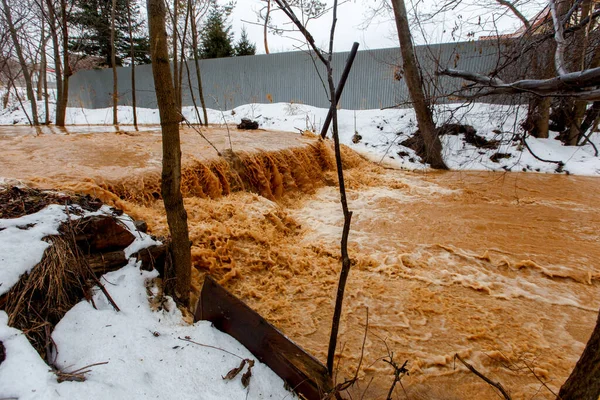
216	36
244	47
92	20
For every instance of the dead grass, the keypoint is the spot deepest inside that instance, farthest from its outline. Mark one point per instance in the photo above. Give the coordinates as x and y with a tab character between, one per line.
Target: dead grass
41	298
16	201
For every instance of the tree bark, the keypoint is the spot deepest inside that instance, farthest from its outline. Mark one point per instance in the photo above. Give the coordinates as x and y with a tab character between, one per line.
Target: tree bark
132	52
179	89
433	146
113	63
22	62
175	53
266	25
574	109
584	381
43	68
59	118
538	114
66	66
171	172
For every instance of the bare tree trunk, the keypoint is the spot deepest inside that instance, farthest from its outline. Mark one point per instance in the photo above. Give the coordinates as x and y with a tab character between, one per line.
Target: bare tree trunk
22	62
113	62
182	59
346	262
175	53
59	118
579	107
171	172
538	115
66	66
44	66
265	26
39	85
578	113
132	52
197	65
584	381
431	141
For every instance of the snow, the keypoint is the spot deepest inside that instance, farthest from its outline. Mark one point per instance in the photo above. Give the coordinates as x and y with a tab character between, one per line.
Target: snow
144	353
21	244
382	131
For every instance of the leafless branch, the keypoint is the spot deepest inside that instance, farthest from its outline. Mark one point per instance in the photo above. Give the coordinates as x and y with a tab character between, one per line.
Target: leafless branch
471	368
518	14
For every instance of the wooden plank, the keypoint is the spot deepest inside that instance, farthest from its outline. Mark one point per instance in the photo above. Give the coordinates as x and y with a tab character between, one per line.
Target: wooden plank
305	374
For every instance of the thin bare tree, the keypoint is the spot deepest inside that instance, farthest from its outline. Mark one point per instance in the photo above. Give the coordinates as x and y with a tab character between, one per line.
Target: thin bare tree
326	59
195	15
113	62
431	140
22	62
171	165
132	55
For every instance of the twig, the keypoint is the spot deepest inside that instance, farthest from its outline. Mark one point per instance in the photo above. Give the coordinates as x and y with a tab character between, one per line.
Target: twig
199	132
349	382
540	380
212	347
535	156
78	375
398	372
471	368
224	121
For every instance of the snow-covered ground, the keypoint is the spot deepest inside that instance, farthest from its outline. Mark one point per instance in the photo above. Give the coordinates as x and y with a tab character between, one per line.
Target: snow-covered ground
140	353
382	131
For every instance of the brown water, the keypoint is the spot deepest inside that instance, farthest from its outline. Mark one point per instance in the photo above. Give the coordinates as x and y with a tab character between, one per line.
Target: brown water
501	268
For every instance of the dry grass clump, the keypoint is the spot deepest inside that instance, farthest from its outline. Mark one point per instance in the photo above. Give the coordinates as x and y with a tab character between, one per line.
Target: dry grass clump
16	201
41	298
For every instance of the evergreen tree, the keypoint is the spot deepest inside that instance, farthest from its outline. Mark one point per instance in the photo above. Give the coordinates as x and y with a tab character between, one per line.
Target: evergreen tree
244	47
216	36
91	18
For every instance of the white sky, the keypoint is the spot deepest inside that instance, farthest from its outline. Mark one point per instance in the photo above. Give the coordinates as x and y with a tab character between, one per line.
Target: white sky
481	19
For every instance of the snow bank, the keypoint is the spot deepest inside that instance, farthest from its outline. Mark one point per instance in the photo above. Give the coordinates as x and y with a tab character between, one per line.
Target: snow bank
21	244
147	354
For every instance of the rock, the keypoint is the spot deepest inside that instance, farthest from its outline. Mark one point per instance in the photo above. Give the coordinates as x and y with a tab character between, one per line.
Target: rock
141	226
2	353
496	157
101	263
102	233
248	124
415	142
153	257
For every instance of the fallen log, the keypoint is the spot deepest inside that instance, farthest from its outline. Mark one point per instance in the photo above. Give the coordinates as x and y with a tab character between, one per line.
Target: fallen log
301	371
101	233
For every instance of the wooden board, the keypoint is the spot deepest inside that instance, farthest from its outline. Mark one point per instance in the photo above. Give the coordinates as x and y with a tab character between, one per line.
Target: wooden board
302	372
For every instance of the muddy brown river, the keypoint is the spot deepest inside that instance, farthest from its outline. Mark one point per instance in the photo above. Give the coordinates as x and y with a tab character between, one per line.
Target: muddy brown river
501	268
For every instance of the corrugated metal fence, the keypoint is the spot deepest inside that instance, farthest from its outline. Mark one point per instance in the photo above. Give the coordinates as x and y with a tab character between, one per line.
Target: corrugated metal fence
374	82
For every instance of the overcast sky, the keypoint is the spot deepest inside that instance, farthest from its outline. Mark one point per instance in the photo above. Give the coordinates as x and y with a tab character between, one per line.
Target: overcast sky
352	26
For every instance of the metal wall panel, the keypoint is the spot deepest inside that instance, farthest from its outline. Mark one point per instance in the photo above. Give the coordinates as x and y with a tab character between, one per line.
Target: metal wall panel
374	82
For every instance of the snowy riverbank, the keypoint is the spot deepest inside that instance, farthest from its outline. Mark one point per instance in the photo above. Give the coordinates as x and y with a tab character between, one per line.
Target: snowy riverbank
136	353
